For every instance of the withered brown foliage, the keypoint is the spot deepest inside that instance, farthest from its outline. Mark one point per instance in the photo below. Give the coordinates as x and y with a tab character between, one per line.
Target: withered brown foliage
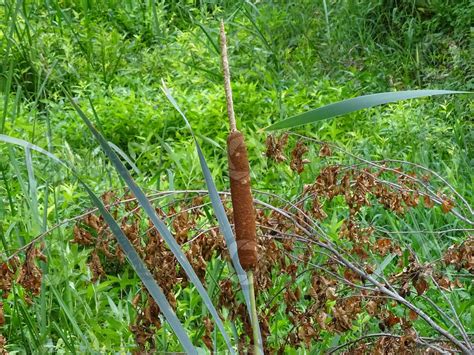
30	276
320	294
96	268
27	274
3	342
281	252
461	256
297	162
275	147
325	151
209	328
8	271
153	250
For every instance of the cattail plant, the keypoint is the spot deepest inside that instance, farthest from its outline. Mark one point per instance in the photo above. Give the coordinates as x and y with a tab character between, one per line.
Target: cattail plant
240	188
239	174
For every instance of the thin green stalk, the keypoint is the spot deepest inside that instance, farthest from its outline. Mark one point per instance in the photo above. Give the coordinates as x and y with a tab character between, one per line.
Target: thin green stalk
254	319
326	16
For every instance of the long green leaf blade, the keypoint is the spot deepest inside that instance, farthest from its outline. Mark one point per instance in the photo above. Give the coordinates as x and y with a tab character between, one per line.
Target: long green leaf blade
133	257
157	222
355	104
125	157
145	275
221	216
33	192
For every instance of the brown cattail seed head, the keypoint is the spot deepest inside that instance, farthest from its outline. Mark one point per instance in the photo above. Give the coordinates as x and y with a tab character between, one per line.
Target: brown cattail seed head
242	201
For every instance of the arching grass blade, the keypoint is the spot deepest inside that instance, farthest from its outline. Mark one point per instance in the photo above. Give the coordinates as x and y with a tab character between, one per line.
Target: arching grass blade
133	257
157	222
221	216
355	104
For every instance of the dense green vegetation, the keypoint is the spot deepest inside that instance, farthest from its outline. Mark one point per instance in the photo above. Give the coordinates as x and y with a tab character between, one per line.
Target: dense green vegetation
286	57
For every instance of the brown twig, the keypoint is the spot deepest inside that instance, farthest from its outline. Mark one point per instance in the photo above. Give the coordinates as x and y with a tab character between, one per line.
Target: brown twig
377	335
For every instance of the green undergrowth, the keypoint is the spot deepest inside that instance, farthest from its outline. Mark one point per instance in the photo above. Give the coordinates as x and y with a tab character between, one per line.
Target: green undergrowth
285	57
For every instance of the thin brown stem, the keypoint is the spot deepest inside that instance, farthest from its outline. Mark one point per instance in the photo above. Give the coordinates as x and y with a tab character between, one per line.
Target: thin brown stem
377	335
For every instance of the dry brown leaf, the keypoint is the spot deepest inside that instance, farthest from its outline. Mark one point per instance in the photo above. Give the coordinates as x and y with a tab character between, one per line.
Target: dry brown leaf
447	205
412	315
275	147
420	285
297	162
325	151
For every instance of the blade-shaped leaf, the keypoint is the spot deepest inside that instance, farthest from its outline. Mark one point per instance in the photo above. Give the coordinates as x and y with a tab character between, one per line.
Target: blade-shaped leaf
380	269
125	157
133	257
355	104
157	222
145	275
32	189
224	224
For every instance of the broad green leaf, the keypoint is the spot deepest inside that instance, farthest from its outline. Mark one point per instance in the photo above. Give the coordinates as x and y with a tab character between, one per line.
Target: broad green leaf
380	269
355	104
33	191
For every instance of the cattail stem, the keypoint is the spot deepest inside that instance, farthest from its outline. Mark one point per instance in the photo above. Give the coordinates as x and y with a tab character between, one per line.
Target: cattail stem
254	320
227	87
241	194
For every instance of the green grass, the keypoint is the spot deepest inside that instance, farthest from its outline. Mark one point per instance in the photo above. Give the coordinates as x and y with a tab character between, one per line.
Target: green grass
286	58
